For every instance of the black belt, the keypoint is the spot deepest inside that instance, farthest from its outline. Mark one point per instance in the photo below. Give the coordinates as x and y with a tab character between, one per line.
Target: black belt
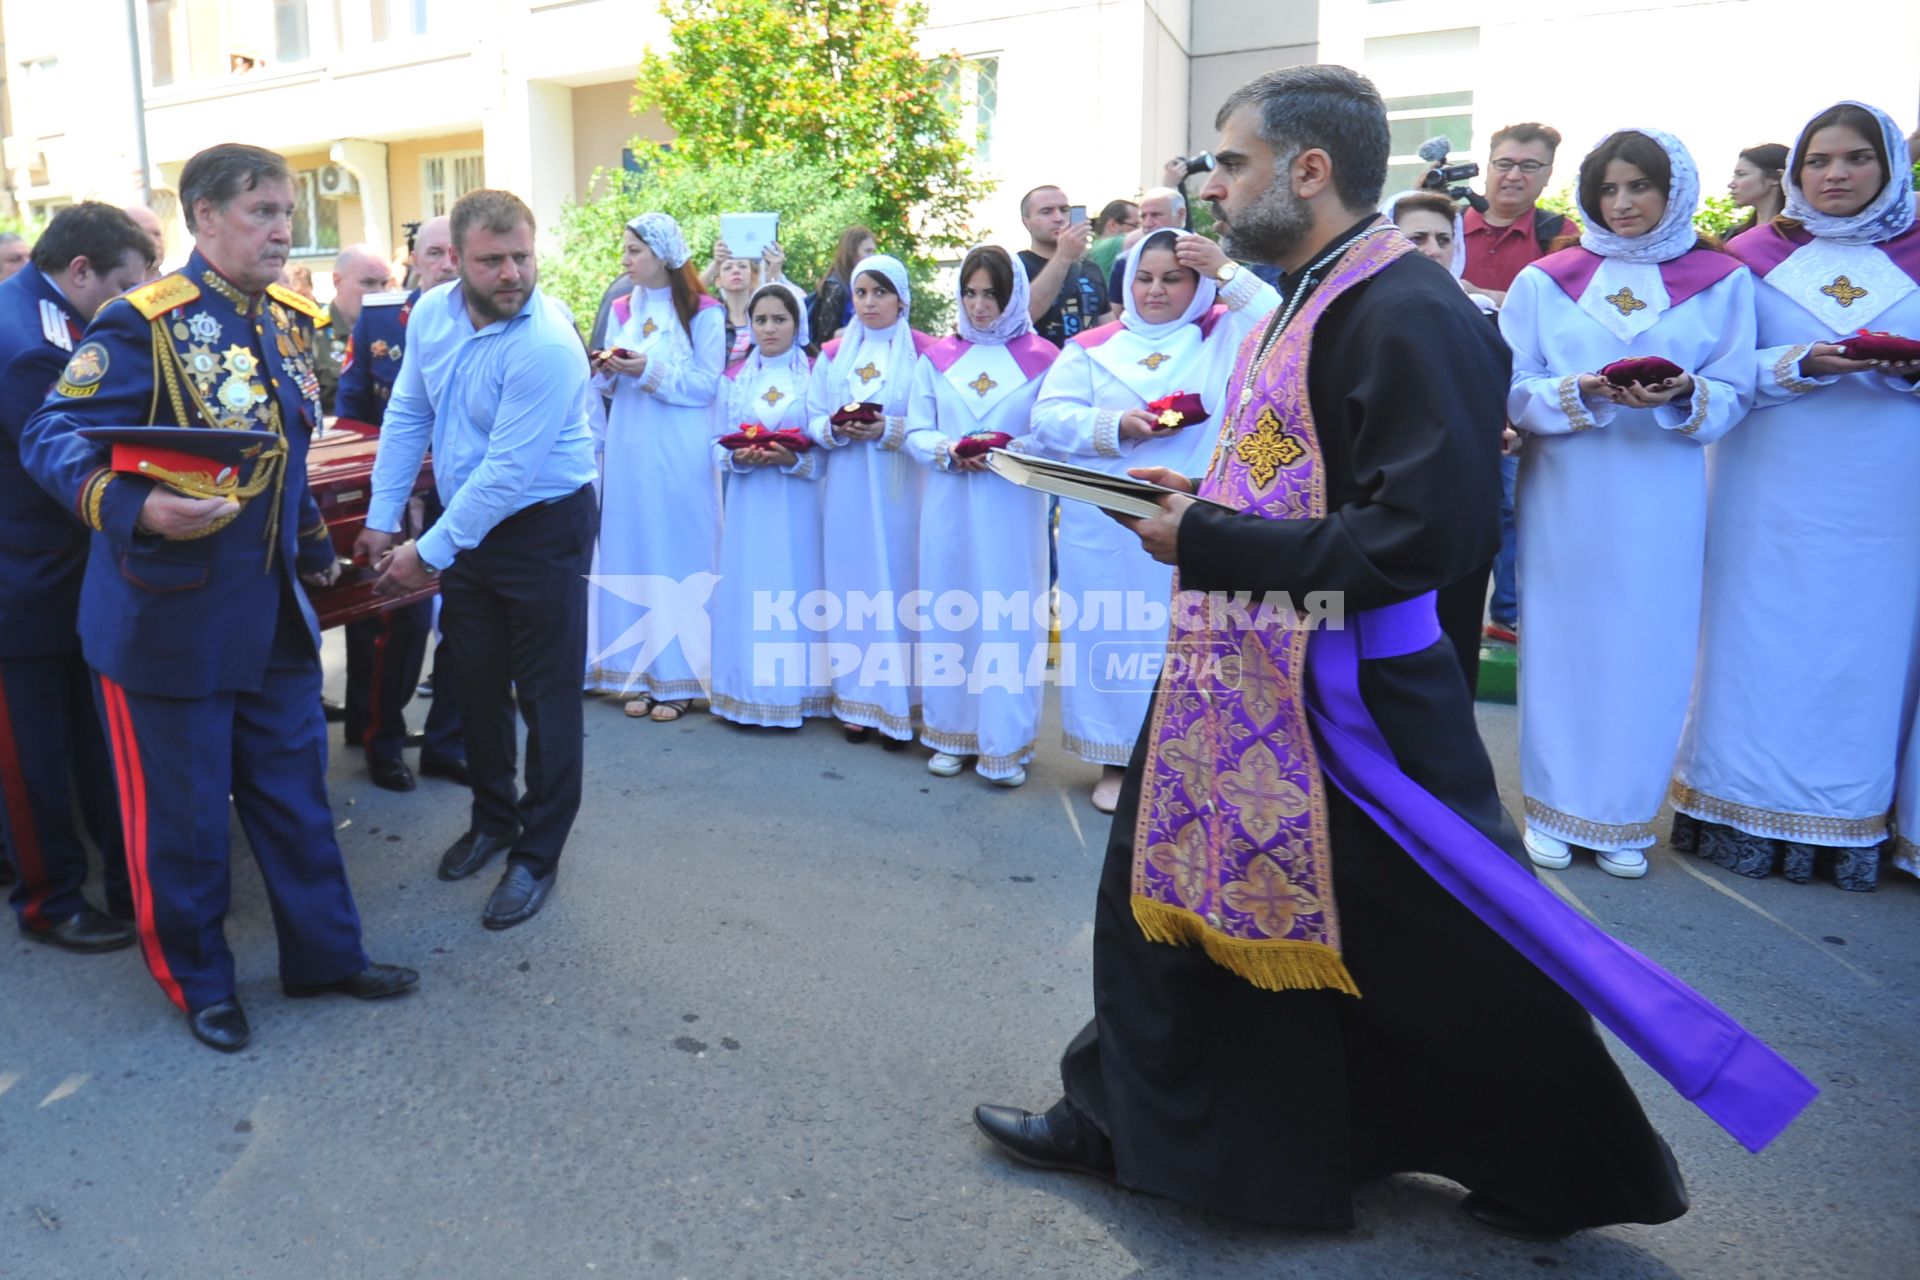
537	507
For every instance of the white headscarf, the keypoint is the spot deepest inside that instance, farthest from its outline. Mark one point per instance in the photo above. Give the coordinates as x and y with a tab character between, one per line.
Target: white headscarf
1675	233
898	340
794	363
1203	297
660	233
1013	319
1459	264
1887	215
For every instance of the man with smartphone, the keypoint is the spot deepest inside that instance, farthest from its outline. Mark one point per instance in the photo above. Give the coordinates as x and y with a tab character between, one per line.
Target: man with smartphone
1068	296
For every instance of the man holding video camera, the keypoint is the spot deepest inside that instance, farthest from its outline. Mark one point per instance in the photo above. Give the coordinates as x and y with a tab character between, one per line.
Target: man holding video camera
1068	296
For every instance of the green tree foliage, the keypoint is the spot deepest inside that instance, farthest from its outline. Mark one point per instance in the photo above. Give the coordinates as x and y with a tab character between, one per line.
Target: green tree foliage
838	84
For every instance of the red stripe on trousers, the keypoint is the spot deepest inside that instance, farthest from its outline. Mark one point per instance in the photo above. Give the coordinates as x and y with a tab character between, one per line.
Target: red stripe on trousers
133	812
374	680
27	856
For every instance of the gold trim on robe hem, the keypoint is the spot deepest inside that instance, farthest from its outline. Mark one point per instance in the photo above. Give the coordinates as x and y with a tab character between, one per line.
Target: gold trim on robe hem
1777	824
1588	833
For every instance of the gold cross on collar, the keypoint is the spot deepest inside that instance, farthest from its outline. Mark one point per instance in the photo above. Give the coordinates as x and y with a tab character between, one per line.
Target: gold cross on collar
1625	303
1154	361
982	384
774	396
869	372
1844	291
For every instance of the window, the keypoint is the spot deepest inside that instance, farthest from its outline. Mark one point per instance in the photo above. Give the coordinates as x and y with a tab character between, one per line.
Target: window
43	104
1421	75
166	41
191	40
290	43
398	19
445	178
1412	120
316	219
970	89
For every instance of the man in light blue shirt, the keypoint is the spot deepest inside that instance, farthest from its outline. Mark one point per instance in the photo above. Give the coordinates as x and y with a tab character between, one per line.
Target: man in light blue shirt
496	380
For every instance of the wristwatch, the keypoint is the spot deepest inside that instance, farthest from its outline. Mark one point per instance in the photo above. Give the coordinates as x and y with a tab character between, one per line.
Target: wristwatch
1228	270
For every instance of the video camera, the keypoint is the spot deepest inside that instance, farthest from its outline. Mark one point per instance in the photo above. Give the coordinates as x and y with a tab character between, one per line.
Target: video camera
1202	163
1449	179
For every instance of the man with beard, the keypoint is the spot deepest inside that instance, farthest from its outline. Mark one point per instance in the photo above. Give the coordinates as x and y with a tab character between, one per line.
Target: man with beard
496	380
1245	903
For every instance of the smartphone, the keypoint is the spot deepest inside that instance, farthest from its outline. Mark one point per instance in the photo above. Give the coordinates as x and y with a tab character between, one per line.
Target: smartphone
1076	214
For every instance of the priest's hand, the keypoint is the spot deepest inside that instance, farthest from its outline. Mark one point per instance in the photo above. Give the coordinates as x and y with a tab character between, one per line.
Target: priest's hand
1199	254
406	572
323	577
1165	477
174	515
1138	424
1823	359
1160	535
1639	395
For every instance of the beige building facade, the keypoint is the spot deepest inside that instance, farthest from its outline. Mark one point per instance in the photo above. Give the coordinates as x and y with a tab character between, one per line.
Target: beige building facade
390	109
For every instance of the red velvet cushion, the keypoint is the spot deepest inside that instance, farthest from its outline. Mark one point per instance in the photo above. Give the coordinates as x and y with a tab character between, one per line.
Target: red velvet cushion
793	438
1181	409
864	412
1865	345
1645	370
976	443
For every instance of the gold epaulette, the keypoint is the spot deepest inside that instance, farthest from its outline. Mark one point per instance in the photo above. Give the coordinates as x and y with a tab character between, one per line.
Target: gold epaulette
298	301
163	295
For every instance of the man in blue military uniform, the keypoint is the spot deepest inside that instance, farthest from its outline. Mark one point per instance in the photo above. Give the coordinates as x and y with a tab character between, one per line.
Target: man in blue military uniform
204	648
52	748
385	653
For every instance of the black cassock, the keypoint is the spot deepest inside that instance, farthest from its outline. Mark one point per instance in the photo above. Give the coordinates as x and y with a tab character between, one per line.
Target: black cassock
1460	1059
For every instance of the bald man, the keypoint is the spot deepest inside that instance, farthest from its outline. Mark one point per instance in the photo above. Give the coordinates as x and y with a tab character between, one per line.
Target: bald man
357	272
14	251
149	221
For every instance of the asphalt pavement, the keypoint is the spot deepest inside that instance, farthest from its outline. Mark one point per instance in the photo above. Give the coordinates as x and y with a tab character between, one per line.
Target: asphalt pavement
745	1037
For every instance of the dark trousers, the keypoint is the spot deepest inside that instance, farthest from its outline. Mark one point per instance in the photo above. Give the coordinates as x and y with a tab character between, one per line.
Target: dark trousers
385	655
514	612
52	752
177	761
1463	609
445	736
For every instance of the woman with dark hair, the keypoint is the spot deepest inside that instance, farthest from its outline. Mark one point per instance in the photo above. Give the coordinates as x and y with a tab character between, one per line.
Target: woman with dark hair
1788	763
1631	353
857	407
831	308
1758	184
762	673
660	496
981	537
1098	409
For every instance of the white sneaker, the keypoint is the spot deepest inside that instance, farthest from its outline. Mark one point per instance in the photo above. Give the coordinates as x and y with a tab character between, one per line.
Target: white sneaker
1628	864
1014	779
1547	851
945	766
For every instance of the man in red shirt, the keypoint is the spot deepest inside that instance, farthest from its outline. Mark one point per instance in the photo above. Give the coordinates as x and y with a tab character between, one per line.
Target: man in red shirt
1513	232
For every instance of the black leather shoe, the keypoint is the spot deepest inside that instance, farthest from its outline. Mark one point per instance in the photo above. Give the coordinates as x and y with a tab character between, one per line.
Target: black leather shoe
1499	1219
471	852
1054	1140
221	1026
454	770
375	982
334	711
86	931
856	733
393	775
518	897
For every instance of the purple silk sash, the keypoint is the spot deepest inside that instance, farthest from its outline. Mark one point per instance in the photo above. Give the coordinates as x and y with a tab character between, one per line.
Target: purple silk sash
1715	1063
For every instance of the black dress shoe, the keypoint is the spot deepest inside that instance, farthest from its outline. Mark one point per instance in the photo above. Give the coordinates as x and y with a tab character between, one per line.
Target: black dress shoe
86	931
1055	1140
393	775
856	732
375	982
518	897
221	1026
334	711
1499	1219
471	852
454	770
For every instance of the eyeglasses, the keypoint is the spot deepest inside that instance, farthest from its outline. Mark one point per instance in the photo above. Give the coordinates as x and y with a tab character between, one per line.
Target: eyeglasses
1528	167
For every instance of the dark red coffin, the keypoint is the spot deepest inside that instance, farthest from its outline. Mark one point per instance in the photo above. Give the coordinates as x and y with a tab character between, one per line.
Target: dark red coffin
340	471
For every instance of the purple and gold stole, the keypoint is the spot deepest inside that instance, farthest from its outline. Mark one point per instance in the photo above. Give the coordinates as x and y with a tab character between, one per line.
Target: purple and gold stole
1230	844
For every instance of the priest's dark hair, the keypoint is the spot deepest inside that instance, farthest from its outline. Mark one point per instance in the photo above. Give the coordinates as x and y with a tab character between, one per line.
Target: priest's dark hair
1638	150
101	233
1332	108
999	268
220	173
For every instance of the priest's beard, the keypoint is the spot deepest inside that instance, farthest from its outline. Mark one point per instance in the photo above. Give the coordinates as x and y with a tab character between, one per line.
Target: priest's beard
1270	228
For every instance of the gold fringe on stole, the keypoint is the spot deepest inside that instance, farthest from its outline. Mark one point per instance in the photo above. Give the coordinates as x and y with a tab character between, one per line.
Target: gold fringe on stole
1272	964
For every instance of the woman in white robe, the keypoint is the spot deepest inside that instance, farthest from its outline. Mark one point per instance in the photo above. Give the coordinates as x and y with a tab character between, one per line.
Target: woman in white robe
871	496
982	540
1612	496
647	620
770	547
1811	649
1171	337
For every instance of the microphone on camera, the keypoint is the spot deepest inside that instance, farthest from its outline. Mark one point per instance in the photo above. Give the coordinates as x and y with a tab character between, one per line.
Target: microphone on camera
1435	150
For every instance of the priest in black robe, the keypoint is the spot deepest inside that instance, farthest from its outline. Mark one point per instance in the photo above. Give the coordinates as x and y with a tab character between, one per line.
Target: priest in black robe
1460	1057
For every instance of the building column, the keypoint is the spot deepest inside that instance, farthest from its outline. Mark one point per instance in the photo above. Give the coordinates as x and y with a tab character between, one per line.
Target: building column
367	162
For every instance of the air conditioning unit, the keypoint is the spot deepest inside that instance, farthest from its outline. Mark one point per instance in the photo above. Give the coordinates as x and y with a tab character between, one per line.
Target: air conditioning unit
336	180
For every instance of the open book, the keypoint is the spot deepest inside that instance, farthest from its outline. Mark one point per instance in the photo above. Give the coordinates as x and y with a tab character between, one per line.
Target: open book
1122	495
